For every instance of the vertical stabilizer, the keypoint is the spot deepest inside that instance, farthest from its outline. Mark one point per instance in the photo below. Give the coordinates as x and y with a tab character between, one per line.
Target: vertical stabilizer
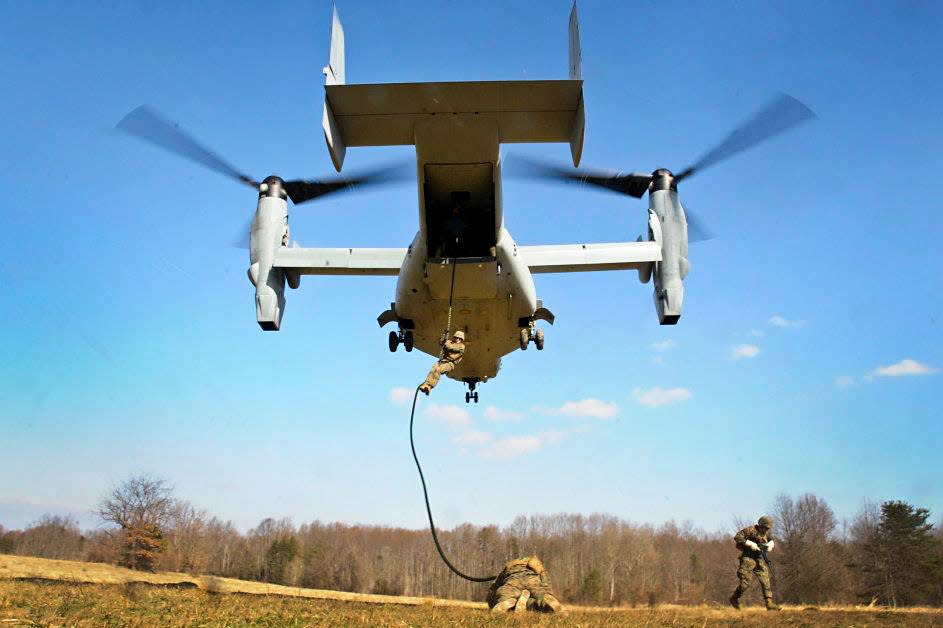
576	55
576	74
334	75
334	71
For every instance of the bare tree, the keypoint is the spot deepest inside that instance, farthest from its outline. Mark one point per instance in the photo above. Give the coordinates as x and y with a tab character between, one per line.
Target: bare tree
52	537
141	507
141	500
811	565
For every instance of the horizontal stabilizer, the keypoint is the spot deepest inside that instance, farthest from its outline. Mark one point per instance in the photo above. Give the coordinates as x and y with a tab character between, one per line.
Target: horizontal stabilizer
386	114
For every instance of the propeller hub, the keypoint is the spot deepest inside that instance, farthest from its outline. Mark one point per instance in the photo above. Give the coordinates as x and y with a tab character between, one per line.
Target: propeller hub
273	186
663	179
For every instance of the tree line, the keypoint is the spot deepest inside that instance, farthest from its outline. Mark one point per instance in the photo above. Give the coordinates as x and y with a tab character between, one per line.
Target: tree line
888	554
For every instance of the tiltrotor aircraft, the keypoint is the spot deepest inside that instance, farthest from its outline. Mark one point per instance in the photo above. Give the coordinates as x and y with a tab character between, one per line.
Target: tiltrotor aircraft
457	129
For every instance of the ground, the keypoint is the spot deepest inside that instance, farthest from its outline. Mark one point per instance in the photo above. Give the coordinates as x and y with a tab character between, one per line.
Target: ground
34	592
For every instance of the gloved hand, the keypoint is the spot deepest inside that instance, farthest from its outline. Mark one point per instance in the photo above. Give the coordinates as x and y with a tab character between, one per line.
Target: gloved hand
769	545
444	338
753	546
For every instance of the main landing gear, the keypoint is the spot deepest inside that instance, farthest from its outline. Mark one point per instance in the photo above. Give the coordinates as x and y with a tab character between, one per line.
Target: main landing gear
529	335
404	337
471	395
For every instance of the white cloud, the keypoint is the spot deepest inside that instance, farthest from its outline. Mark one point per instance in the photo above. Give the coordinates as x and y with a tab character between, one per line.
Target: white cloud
552	436
844	381
401	396
744	351
453	416
589	409
508	447
657	396
658	360
779	321
513	446
472	437
757	333
904	368
493	413
663	345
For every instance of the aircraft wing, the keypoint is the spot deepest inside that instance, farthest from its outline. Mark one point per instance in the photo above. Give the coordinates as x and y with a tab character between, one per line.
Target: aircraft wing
339	261
575	258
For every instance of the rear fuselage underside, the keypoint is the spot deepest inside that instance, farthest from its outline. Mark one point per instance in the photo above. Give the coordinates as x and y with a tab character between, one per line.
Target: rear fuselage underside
461	231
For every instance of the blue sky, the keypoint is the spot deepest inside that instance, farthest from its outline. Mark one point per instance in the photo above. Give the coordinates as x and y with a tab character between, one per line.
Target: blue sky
806	359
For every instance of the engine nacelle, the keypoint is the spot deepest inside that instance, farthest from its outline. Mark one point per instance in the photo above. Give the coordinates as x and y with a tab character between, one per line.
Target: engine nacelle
667	214
654	235
269	234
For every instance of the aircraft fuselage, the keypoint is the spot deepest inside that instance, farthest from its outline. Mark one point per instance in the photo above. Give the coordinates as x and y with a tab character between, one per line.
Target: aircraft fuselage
462	224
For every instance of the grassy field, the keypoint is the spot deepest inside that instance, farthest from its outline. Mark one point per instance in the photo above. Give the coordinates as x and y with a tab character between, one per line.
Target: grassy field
34	592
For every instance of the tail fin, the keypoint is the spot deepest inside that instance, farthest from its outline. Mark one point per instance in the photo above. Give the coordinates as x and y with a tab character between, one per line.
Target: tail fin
576	55
334	75
334	70
576	74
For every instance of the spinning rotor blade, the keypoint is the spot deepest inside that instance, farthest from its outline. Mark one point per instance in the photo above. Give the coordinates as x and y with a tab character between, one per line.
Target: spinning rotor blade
304	190
698	231
240	239
781	114
633	184
146	124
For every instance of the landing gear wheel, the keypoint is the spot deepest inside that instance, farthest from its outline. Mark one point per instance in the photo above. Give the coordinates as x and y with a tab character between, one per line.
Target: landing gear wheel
471	396
475	397
467	397
525	339
408	341
539	340
394	341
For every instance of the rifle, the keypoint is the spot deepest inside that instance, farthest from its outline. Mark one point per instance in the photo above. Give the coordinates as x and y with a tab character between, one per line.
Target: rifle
765	554
769	565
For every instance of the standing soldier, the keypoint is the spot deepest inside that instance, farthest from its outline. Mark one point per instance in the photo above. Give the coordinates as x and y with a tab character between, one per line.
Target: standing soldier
754	542
452	353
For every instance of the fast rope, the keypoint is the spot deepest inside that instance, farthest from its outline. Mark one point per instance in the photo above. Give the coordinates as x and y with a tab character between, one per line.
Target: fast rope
422	478
448	323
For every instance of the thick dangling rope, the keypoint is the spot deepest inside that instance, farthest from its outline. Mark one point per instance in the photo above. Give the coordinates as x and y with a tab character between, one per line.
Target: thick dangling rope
422	478
448	323
425	494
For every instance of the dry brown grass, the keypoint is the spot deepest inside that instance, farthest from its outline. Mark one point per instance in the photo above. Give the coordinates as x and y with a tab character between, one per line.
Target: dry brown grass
28	568
38	592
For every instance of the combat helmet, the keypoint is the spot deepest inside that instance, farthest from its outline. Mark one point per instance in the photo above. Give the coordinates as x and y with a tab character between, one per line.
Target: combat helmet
459	334
765	522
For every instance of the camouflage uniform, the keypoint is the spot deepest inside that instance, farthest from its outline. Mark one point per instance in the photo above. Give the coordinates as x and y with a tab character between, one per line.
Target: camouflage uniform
523	584
752	561
451	356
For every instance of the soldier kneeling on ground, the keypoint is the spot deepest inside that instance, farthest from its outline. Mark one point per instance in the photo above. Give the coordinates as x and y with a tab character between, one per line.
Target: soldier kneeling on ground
754	543
522	585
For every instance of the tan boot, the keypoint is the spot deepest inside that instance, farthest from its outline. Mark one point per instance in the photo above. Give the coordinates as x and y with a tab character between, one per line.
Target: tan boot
554	604
424	389
521	604
772	606
735	601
